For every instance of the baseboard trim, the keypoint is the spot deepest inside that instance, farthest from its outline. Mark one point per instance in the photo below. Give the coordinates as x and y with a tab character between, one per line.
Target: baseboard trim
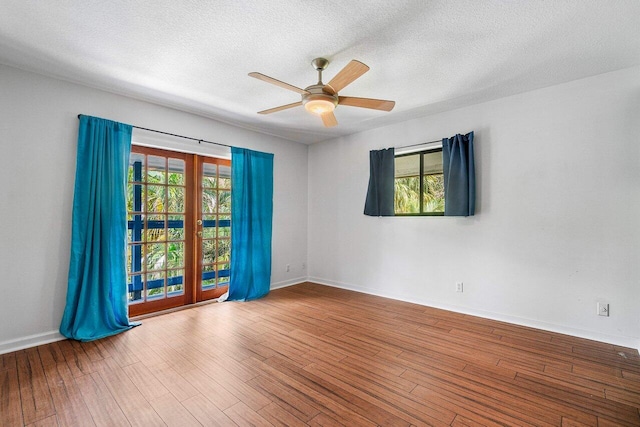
30	341
286	283
628	342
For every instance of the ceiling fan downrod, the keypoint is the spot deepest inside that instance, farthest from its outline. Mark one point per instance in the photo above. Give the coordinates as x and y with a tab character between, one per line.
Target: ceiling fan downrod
320	64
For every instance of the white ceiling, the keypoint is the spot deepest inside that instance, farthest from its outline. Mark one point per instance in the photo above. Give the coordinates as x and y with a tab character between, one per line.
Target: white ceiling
428	56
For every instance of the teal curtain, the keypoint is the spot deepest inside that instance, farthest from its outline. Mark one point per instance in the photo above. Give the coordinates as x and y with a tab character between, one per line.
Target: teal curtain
380	193
251	222
459	175
96	294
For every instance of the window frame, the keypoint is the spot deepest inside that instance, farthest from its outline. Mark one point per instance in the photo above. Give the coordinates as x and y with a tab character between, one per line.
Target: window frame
421	153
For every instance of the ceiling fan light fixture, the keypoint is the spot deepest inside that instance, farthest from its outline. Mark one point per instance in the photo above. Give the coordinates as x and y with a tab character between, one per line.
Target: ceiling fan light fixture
319	106
318	102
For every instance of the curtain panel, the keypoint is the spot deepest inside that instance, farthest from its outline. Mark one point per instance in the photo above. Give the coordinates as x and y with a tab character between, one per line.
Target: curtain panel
96	304
459	175
251	224
379	201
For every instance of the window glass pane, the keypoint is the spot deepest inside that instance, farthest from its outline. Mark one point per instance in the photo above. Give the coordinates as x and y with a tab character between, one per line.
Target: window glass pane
134	258
155	228
135	197
156	170
155	256
224	200
175	282
224	231
155	285
433	196
406	166
208	251
176	199
432	163
209	200
175	255
176	227
224	250
176	172
223	274
156	198
224	180
136	167
209	175
407	195
208	283
209	226
134	227
135	288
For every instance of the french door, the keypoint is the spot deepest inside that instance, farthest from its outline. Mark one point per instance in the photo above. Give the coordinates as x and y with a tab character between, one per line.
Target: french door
179	229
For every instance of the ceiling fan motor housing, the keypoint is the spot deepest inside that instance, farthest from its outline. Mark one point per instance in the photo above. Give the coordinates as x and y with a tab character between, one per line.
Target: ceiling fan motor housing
316	93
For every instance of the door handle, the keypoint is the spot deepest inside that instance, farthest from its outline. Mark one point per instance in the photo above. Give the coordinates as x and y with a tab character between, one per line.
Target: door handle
199	233
199	222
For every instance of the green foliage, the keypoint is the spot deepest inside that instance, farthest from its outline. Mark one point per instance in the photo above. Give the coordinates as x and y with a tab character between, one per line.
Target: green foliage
407	194
433	197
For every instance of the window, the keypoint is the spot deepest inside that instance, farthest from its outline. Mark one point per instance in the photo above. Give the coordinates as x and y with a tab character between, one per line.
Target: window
419	183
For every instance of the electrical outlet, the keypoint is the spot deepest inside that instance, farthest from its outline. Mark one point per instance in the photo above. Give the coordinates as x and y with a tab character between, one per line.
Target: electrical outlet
304	265
603	309
288	268
459	287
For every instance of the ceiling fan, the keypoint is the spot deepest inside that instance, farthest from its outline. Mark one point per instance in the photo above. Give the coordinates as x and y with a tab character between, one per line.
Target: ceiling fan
321	99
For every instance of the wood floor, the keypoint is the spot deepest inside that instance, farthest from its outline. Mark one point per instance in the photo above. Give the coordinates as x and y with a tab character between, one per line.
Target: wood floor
318	356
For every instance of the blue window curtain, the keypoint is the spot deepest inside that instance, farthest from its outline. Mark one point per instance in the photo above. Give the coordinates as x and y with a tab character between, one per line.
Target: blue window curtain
96	294
459	175
251	222
379	201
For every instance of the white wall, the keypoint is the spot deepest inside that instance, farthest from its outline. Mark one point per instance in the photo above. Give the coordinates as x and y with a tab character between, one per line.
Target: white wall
557	223
38	136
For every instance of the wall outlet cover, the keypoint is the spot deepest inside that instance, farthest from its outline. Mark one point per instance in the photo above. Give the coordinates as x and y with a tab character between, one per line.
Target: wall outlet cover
603	309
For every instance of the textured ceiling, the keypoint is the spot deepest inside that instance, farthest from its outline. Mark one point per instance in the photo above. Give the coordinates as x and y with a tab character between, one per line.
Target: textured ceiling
428	56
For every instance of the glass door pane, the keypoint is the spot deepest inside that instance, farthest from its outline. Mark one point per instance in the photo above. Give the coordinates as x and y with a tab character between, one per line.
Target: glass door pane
214	227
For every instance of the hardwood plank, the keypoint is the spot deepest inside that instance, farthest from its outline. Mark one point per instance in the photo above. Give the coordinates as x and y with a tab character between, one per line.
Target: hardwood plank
145	381
71	409
51	354
101	404
209	388
279	416
51	421
242	415
172	412
323	420
206	412
7	362
34	390
294	402
78	361
10	402
137	410
172	381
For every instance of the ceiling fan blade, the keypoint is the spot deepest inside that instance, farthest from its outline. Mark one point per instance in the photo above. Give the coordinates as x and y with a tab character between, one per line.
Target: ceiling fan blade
329	119
374	104
348	74
280	108
276	82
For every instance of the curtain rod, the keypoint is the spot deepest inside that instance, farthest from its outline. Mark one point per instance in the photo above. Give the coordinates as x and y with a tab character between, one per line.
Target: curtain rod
422	143
176	135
